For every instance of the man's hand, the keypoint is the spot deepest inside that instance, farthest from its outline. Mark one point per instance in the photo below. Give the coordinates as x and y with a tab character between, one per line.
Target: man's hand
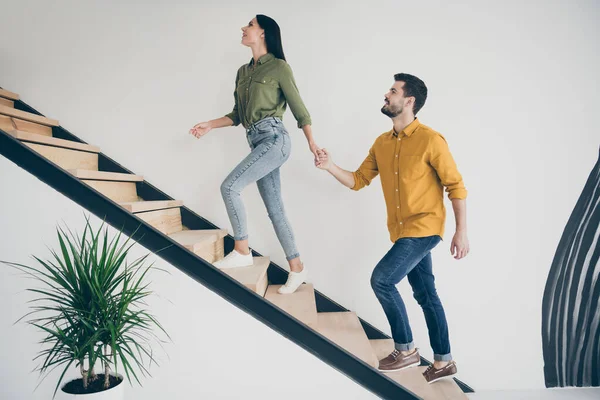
460	245
323	160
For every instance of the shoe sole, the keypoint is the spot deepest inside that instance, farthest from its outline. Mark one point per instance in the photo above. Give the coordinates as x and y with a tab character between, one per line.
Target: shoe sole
231	267
286	292
442	377
401	369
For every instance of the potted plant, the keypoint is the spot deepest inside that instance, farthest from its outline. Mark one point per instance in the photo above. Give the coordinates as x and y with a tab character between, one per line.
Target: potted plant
89	304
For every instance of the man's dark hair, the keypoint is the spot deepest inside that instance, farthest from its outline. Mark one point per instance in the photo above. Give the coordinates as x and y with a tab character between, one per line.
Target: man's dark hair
413	87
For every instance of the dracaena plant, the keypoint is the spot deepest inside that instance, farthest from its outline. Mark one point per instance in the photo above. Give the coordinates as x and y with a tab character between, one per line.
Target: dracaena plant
90	305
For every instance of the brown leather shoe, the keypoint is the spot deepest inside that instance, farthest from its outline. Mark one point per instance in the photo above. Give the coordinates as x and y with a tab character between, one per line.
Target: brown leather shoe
396	361
433	374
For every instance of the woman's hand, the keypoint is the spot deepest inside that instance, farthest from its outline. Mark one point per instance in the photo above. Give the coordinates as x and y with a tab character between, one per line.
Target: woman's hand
315	150
201	129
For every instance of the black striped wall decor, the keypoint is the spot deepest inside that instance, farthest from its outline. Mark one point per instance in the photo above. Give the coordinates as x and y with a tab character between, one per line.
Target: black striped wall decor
571	309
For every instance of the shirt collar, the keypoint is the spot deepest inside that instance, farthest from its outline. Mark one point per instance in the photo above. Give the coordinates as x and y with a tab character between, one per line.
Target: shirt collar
410	128
266	58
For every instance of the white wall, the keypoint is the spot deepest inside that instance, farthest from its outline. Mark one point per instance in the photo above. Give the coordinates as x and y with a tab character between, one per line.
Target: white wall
512	87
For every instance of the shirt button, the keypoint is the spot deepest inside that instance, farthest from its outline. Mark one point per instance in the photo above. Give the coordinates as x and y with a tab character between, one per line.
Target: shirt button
400	223
396	173
396	155
398	207
396	190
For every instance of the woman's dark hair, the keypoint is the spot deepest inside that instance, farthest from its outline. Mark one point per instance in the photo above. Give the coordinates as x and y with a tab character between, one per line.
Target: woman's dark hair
413	87
272	35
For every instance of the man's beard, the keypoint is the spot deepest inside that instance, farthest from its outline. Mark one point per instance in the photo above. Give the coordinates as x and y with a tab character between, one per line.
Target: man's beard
391	112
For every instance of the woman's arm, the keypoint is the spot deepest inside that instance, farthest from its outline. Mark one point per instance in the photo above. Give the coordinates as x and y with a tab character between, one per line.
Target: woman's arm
203	128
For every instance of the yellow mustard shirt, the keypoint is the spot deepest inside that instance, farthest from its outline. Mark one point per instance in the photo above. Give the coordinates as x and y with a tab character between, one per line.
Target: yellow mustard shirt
415	166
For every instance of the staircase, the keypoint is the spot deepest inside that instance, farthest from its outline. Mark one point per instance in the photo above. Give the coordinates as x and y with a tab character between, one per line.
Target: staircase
164	225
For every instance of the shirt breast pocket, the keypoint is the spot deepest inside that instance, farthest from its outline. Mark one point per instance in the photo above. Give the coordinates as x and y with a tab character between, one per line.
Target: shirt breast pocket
242	85
267	81
266	89
412	167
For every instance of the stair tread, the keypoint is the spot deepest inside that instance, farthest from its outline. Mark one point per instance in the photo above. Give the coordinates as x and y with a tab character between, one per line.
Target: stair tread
9	95
105	176
7	102
167	221
116	191
192	238
253	277
344	329
301	304
141	206
52	141
412	378
8	123
12	112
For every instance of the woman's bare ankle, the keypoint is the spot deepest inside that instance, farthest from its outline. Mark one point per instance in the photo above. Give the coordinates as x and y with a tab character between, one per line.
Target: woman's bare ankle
241	246
296	265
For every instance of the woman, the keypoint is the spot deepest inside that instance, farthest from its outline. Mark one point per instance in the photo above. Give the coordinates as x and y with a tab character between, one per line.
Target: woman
263	89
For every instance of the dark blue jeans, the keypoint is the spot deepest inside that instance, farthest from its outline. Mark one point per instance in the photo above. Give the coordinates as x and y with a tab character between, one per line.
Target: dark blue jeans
412	257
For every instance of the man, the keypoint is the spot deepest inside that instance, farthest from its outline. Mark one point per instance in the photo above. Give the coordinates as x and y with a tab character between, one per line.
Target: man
415	165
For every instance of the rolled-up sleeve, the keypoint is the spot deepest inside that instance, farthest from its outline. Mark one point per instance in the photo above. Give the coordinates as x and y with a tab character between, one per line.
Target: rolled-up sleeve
292	96
367	171
234	115
446	169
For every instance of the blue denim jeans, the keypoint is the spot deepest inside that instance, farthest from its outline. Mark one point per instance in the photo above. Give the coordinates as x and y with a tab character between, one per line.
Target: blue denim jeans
412	257
270	144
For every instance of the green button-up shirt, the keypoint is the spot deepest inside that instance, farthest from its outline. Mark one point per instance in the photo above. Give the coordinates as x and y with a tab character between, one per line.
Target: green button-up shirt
264	91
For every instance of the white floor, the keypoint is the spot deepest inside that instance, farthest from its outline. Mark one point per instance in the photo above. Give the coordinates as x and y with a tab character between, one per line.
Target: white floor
542	394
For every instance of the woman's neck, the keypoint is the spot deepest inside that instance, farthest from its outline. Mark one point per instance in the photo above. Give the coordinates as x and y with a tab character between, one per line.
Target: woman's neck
258	52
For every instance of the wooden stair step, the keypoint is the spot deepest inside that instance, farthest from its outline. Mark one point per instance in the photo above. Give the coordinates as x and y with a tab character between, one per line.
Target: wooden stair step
9	95
413	380
118	192
105	176
141	206
7	102
207	244
253	277
11	112
51	141
9	124
167	221
344	329
66	158
301	304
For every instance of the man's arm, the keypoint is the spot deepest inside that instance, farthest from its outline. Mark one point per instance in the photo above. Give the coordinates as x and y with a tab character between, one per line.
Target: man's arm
353	180
346	178
460	242
445	167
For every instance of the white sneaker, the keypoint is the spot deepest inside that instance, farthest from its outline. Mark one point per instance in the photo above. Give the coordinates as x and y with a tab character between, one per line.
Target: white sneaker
235	260
295	279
